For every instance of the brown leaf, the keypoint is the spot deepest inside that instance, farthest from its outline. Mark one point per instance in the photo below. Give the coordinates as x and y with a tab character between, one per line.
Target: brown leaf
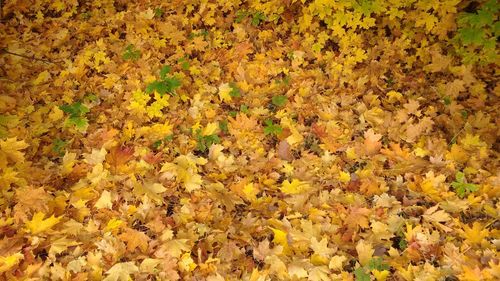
119	155
135	239
284	151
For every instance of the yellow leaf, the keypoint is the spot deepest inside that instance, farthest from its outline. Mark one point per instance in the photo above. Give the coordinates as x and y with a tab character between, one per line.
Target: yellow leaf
42	78
56	114
394	96
121	271
10	149
149	265
210	129
294	187
281	238
60	245
104	201
336	263
344	177
68	161
476	233
113	224
365	252
224	91
186	263
176	247
471	142
8	262
321	247
297	270
380	275
38	224
250	191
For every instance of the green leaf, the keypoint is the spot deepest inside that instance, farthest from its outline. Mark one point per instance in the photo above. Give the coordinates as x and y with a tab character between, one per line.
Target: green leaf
80	123
131	53
244	108
164	71
257	18
158	12
235	91
74	110
461	186
279	100
58	146
361	274
471	36
272	128
204	142
378	264
223	126
240	15
166	85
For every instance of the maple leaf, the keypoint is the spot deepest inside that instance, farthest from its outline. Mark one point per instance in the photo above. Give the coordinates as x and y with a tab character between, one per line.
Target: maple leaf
321	247
372	142
461	186
38	224
475	234
294	187
121	271
135	239
281	238
365	252
8	262
438	217
118	156
10	150
358	217
60	245
104	201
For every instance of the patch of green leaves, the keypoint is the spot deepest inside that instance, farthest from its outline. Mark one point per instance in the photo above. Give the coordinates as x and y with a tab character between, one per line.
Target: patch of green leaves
244	108
257	18
76	112
158	143
166	83
235	91
184	63
363	273
279	100
240	16
158	12
131	53
271	128
203	143
223	126
477	34
203	33
58	146
461	186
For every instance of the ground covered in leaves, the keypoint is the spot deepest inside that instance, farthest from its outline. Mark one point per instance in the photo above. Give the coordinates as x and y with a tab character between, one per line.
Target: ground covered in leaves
249	140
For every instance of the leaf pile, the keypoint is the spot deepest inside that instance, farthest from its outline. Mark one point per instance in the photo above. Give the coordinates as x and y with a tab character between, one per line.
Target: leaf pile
249	140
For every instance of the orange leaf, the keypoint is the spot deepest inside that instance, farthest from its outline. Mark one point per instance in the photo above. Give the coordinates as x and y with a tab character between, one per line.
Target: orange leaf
135	239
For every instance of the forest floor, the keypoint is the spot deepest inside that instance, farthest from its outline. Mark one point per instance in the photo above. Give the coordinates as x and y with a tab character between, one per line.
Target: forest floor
249	140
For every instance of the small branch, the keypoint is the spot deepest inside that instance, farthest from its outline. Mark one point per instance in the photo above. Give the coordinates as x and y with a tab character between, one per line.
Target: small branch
5	51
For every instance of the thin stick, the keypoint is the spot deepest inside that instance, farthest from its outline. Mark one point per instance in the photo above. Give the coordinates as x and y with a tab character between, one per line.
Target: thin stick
5	51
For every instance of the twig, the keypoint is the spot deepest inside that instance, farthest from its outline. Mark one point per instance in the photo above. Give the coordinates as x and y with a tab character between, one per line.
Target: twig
5	51
455	136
